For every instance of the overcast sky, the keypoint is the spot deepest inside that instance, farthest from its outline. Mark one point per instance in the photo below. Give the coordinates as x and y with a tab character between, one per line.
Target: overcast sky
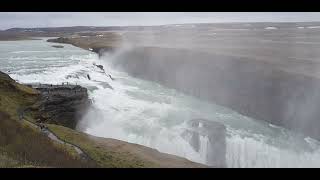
56	19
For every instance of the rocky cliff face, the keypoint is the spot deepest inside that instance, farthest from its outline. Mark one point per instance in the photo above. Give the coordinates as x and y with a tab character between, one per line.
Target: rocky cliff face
61	104
254	88
215	146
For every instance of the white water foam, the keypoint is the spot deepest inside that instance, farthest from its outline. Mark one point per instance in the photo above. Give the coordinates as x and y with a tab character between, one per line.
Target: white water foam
249	152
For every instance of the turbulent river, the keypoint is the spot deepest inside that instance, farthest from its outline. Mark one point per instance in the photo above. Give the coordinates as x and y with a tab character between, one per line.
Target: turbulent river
149	114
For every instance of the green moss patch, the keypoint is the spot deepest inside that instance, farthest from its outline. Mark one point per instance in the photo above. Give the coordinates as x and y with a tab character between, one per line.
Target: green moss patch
14	96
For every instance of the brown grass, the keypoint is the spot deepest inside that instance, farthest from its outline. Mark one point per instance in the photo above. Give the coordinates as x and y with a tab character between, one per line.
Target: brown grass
30	147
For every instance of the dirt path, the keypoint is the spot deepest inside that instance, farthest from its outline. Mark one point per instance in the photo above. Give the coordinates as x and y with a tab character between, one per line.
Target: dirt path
55	138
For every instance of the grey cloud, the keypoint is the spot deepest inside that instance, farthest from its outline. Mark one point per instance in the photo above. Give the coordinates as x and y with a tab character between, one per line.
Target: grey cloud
50	19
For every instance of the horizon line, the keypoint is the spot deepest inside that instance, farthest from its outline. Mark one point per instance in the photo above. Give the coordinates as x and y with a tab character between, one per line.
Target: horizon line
234	22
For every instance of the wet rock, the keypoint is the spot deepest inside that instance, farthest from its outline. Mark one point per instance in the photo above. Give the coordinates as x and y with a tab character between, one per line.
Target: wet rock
193	139
100	67
57	46
59	40
215	133
61	104
72	76
110	77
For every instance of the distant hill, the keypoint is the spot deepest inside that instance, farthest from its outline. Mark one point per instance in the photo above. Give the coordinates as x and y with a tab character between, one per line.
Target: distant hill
22	33
72	29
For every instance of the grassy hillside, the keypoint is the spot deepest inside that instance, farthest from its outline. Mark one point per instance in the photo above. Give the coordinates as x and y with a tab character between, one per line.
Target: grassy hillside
14	96
109	41
105	157
22	145
118	154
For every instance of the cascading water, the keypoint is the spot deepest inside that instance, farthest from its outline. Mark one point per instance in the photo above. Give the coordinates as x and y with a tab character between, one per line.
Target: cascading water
147	113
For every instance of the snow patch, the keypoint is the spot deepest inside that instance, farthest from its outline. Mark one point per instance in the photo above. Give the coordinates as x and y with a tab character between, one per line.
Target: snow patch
269	28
